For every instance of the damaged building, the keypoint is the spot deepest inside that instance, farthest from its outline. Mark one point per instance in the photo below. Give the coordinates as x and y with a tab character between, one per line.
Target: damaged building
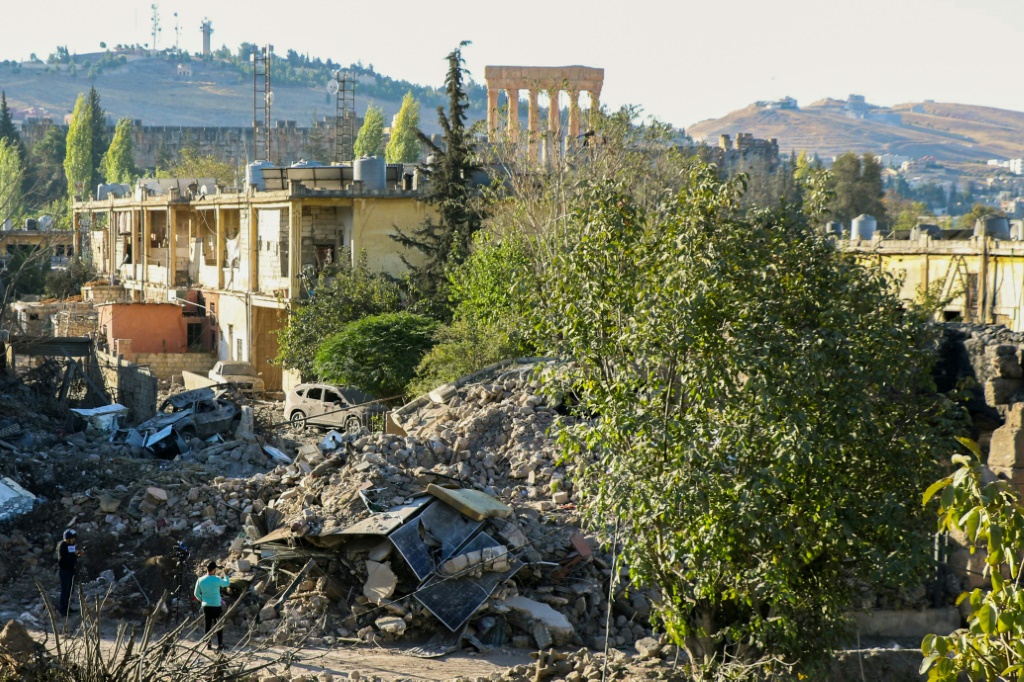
235	260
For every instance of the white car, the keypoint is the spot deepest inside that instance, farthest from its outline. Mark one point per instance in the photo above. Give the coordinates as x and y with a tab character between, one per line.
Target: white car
241	374
331	406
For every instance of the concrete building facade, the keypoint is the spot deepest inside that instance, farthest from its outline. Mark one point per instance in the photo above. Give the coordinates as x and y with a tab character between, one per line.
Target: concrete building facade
233	263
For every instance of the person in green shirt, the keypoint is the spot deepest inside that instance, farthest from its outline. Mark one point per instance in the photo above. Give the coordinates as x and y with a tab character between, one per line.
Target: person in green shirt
208	592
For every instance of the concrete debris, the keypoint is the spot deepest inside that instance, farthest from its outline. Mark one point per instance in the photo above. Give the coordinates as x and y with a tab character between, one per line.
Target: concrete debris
380	582
16	645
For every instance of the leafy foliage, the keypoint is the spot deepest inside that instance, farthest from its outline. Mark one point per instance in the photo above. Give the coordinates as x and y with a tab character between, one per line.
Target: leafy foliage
377	354
988	510
445	240
118	163
8	131
98	123
10	180
977	212
754	443
78	158
47	166
404	144
370	139
343	293
857	187
192	164
70	280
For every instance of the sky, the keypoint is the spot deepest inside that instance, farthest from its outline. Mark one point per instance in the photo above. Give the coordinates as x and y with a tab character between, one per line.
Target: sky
681	61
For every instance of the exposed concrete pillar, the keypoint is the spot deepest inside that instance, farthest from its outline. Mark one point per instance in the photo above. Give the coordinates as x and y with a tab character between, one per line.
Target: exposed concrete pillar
172	245
574	116
513	114
595	106
219	221
533	126
145	247
294	250
492	114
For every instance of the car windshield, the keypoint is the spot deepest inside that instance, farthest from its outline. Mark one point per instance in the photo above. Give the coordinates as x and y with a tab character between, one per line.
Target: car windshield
237	368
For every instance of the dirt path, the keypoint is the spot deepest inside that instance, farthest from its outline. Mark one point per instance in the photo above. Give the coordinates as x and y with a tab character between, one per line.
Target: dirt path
389	663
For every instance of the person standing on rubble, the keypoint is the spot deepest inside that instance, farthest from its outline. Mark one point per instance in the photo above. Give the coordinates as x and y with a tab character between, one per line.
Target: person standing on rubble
68	552
208	592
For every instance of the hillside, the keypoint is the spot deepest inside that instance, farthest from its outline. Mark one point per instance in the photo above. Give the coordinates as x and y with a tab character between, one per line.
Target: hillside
150	89
948	132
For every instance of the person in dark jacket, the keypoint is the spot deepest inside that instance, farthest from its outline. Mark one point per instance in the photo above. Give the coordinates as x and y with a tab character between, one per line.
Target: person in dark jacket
68	552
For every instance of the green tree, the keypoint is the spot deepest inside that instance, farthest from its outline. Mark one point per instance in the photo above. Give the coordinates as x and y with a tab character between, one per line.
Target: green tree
78	158
377	354
445	240
370	139
11	170
315	147
98	123
343	293
404	145
70	280
857	188
192	164
8	131
977	212
988	510
118	163
47	166
753	443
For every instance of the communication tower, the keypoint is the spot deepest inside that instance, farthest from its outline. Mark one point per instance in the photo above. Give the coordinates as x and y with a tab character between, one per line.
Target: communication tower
343	87
262	99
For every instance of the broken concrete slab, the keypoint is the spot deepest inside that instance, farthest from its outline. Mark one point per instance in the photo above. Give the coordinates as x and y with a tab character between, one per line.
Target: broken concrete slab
385	522
380	583
14	500
527	611
391	625
475	504
109	504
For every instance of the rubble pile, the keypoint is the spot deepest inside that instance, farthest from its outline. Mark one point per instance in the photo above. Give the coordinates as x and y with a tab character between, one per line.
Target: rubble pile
468	521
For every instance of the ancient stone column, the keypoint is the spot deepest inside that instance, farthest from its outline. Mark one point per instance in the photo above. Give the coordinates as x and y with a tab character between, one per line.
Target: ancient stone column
574	116
513	114
595	106
533	126
492	114
554	128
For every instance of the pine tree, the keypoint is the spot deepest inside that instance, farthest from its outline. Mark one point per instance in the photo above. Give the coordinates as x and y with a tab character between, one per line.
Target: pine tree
8	131
369	141
451	167
78	161
118	163
404	145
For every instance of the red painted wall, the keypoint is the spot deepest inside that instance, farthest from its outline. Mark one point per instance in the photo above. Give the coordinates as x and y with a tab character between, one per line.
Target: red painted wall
152	327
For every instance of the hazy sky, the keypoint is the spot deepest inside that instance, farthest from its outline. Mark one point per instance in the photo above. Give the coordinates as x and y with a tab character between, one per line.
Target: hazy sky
681	60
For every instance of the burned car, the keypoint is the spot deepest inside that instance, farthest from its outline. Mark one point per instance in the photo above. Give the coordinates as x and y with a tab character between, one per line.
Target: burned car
332	406
200	413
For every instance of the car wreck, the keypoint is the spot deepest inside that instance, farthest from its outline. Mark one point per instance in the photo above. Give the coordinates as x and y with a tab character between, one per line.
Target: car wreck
199	413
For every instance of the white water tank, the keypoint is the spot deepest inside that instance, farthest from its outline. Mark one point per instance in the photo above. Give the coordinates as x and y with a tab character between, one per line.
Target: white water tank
254	174
372	171
863	227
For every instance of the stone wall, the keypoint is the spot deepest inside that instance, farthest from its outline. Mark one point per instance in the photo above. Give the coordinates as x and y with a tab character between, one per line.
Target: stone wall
234	145
129	384
166	365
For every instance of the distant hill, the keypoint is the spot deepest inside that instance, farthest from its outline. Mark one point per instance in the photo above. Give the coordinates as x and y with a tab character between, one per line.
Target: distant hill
948	132
213	93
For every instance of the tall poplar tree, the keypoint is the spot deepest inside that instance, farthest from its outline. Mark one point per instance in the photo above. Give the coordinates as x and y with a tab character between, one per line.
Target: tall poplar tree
8	131
118	163
78	160
404	145
98	123
452	165
369	141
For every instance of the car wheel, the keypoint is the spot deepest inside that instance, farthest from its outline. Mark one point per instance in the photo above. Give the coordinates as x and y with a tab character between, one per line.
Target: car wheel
298	419
352	424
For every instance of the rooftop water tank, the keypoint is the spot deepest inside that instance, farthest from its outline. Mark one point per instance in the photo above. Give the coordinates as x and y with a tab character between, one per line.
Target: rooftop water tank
925	230
372	171
863	227
834	228
254	174
992	226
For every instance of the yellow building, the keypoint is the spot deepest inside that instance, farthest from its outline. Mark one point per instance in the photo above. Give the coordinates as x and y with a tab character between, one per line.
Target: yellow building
241	258
981	275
